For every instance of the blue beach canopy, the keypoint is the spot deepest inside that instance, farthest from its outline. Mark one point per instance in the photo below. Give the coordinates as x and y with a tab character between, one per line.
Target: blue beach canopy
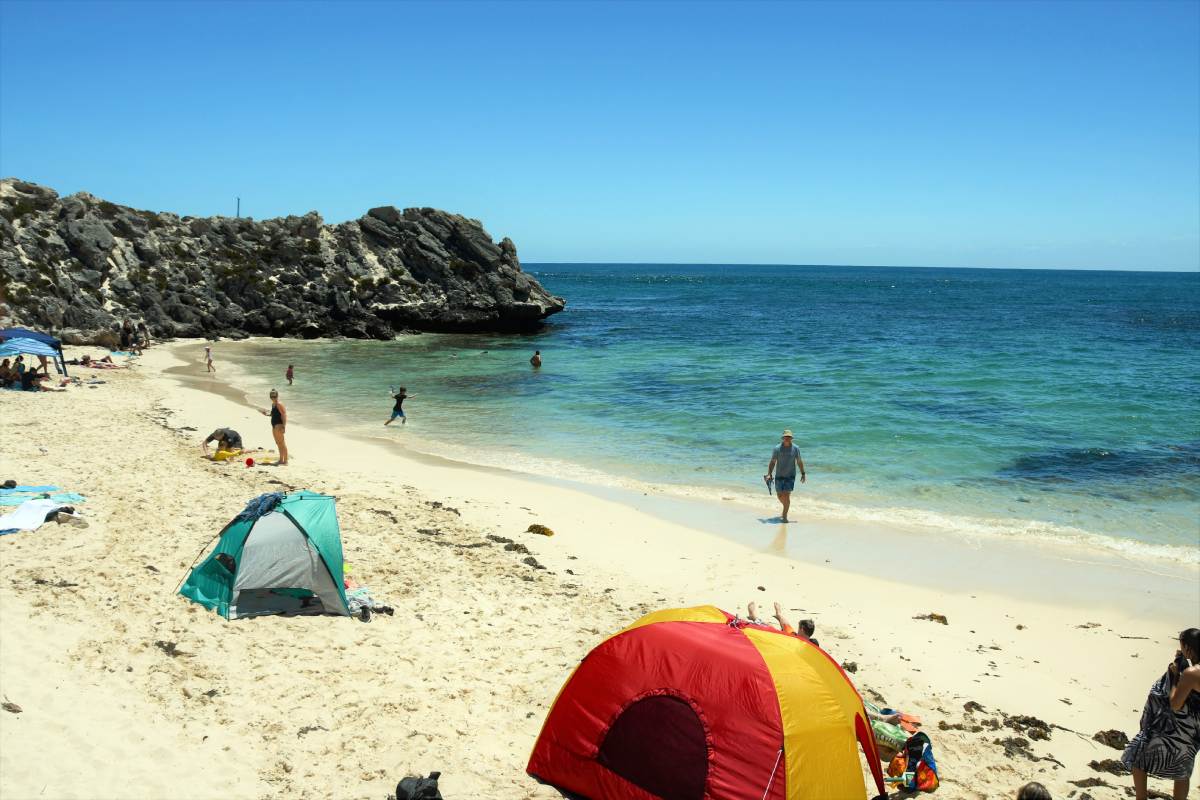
25	333
27	339
14	347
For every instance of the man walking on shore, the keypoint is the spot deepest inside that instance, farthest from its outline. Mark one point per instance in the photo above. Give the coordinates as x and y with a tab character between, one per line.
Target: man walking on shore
785	459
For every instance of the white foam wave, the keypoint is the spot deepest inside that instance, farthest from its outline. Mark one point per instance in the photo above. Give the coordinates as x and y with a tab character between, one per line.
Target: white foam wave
967	526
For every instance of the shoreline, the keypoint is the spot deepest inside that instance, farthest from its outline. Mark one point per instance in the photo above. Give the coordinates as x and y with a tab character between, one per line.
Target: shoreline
1034	569
460	679
1123	543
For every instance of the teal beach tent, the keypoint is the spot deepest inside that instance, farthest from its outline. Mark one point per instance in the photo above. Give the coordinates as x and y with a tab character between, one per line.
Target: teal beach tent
286	560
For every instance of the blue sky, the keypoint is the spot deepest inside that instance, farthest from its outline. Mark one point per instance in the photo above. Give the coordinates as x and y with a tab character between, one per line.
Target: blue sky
1015	134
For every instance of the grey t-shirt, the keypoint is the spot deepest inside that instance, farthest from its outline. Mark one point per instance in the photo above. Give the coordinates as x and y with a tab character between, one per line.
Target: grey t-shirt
227	437
785	460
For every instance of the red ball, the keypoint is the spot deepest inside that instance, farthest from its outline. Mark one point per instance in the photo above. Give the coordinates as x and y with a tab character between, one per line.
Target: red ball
249	462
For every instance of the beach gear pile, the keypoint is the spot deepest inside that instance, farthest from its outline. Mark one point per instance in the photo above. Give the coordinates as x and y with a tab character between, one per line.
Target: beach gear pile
418	788
694	704
281	555
914	769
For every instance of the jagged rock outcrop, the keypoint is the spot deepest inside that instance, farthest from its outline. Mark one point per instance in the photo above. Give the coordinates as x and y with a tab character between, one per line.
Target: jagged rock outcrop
79	266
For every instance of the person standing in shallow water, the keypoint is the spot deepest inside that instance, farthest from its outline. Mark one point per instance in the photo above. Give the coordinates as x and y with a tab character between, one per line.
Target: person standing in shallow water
785	459
278	415
290	374
208	359
536	359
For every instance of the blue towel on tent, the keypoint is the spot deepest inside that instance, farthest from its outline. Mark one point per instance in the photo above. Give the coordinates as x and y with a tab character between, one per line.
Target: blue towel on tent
58	497
16	489
263	504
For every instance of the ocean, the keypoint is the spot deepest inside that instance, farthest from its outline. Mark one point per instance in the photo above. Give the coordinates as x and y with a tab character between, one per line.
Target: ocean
1062	405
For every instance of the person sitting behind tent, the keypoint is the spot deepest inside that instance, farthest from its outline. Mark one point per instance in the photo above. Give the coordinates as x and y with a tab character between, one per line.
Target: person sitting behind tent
226	439
807	627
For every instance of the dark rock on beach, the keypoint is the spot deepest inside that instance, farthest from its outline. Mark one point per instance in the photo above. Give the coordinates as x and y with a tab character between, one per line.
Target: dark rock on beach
79	265
1115	739
1109	765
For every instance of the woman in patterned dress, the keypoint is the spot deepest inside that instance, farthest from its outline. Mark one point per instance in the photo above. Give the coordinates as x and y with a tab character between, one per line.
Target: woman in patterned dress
1166	745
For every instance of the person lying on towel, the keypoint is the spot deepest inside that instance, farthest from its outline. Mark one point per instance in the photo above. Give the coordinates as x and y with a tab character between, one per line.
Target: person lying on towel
226	439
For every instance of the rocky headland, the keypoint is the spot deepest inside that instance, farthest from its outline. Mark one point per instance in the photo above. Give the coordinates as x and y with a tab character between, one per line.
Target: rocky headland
79	266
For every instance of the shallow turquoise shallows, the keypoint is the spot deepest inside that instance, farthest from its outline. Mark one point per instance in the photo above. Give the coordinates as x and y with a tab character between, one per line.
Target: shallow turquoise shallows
1024	403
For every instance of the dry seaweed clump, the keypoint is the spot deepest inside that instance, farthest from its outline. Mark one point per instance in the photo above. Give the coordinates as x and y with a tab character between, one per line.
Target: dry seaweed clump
540	530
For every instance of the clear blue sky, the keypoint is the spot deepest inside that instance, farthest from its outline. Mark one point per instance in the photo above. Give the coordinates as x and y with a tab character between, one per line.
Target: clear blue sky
1017	134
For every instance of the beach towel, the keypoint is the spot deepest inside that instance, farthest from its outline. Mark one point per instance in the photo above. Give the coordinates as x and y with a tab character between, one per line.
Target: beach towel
29	516
18	489
889	738
60	497
359	598
263	504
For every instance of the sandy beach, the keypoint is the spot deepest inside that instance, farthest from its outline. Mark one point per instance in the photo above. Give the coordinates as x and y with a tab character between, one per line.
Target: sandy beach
126	689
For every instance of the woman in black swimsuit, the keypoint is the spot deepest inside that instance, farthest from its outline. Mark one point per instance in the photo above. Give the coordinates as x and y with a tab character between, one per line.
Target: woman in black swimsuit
278	424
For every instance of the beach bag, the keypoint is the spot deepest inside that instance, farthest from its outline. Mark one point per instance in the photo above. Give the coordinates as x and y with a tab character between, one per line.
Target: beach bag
419	788
914	768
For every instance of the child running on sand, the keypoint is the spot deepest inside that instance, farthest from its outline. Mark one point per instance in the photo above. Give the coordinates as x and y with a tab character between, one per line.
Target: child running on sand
400	396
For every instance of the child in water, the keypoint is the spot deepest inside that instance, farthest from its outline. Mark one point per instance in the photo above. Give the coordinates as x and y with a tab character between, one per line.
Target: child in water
400	396
290	374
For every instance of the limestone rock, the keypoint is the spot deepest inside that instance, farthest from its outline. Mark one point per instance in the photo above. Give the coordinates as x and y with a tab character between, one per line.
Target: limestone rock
79	265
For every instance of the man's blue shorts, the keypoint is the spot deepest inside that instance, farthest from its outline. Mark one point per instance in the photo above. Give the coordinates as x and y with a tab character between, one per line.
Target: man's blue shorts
396	413
783	484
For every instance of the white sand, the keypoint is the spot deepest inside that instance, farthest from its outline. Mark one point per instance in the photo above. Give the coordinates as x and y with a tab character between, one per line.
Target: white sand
461	677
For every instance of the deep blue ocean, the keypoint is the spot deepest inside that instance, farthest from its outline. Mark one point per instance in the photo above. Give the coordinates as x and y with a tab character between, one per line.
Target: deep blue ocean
1058	404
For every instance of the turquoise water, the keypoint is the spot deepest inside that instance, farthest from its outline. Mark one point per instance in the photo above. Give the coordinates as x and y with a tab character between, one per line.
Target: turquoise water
1019	403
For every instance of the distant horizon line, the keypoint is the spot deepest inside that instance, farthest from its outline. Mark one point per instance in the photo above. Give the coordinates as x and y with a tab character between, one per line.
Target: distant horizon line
1185	271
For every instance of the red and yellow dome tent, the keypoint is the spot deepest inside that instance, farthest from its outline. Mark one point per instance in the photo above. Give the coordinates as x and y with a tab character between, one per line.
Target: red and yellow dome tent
689	704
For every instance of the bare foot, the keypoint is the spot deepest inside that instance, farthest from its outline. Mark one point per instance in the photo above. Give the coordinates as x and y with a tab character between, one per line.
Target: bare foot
778	611
752	610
